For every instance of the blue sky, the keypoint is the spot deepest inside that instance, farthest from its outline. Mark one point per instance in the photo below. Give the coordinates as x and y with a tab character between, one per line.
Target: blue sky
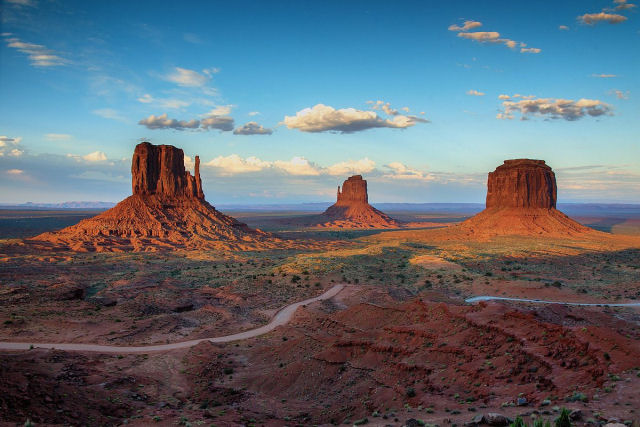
283	100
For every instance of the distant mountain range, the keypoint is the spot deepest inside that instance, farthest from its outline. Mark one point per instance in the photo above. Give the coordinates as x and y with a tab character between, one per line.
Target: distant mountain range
582	209
63	205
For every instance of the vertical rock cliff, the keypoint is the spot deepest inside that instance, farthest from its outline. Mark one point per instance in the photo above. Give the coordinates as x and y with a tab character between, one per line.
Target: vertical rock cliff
522	183
159	169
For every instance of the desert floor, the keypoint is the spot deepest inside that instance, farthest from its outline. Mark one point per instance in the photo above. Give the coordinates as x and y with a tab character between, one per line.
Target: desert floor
399	342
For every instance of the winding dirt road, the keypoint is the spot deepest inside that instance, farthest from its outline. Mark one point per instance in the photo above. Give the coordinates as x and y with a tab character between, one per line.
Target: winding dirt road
539	301
282	317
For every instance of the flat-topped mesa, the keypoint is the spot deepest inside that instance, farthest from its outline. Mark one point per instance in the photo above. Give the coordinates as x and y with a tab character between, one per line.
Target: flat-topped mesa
159	169
354	190
521	200
522	183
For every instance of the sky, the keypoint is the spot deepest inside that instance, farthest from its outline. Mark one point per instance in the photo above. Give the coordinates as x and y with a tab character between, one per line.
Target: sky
283	100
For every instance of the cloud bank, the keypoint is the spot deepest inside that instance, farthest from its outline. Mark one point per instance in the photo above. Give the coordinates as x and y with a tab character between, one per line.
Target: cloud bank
551	108
323	118
489	37
252	128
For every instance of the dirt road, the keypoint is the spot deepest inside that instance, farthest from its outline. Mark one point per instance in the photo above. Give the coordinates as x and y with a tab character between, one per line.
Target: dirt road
282	317
539	301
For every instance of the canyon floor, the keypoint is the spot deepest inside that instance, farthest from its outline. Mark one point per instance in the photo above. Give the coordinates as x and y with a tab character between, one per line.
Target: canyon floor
398	342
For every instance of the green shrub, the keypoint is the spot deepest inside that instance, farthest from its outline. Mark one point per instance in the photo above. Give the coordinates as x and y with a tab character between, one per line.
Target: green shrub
563	420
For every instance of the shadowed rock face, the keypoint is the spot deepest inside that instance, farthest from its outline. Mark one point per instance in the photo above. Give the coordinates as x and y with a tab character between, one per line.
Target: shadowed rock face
522	183
159	169
354	190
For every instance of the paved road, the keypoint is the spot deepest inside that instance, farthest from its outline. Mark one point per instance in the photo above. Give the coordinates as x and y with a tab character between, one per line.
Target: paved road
282	317
539	301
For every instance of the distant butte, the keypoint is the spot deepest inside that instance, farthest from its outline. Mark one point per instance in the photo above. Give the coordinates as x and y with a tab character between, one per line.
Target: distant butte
521	200
352	208
166	211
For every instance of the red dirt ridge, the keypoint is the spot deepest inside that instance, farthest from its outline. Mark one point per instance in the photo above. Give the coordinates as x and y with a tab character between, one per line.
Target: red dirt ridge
352	208
166	211
521	200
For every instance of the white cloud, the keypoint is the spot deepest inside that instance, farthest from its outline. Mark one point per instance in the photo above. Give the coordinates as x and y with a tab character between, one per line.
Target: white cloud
217	118
252	128
604	76
481	36
220	110
221	123
323	118
594	18
188	78
10	146
466	26
165	103
474	92
488	36
504	97
297	166
351	167
38	54
563	28
384	106
400	171
254	113
233	164
96	156
164	122
58	136
554	108
14	172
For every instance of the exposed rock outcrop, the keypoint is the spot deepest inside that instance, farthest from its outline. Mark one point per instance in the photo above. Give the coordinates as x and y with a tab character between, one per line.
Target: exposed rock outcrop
521	200
352	209
522	183
354	190
166	211
159	169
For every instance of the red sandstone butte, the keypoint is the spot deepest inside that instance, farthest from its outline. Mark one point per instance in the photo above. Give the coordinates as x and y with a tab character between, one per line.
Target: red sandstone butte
159	169
522	183
166	211
352	208
521	200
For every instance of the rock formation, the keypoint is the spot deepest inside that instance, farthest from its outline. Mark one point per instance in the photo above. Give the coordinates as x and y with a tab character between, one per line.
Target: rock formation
352	209
159	169
522	183
521	200
166	211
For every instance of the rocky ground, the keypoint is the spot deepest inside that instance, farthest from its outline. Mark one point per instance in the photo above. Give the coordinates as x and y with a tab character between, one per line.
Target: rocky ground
399	343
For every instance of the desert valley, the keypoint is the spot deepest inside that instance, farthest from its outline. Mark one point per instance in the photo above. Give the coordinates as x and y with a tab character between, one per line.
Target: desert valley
518	311
291	213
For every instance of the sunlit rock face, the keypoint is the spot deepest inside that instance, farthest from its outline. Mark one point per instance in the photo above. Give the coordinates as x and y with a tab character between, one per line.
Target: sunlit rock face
354	190
522	183
352	208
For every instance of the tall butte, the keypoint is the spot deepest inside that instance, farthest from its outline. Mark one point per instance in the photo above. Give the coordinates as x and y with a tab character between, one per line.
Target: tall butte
352	208
166	211
521	199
